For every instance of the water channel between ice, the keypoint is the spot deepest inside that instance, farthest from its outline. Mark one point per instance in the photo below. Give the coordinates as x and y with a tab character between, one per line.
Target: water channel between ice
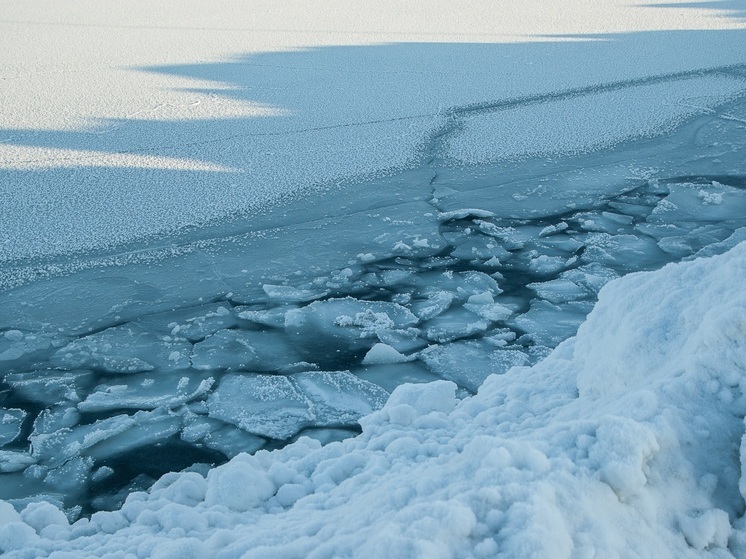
184	352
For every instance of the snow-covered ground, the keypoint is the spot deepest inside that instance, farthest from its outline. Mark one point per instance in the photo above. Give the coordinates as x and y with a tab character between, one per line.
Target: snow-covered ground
229	231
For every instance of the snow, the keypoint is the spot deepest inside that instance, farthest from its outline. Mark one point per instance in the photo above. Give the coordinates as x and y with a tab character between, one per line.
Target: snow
382	279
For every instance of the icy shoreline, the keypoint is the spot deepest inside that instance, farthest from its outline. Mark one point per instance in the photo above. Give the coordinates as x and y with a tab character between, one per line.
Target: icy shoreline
624	440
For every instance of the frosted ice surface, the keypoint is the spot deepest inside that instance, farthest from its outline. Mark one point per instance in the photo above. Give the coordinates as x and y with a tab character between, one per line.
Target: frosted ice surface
50	387
382	354
218	435
102	439
244	350
548	324
11	421
468	363
147	391
274	317
592	276
392	375
291	294
194	324
339	398
456	323
326	330
433	305
15	461
585	121
559	290
265	405
124	349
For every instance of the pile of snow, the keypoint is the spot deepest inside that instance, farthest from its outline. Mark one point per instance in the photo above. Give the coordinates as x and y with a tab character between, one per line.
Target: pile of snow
623	442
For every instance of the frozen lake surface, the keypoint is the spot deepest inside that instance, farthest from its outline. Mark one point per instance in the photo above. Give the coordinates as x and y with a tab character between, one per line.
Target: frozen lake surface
342	283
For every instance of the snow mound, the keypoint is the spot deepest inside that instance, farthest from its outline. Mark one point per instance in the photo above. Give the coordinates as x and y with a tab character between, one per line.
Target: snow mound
623	442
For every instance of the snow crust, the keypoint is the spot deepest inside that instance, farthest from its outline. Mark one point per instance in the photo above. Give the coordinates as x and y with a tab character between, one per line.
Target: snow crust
623	442
163	127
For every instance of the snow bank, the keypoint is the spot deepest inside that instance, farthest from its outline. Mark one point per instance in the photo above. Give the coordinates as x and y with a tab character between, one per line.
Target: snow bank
623	442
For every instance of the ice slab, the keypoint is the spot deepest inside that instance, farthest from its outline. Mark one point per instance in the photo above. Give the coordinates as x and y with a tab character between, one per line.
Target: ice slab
50	387
124	349
244	350
215	434
11	421
390	376
339	398
192	323
547	324
21	351
454	324
147	392
265	405
560	290
328	330
468	363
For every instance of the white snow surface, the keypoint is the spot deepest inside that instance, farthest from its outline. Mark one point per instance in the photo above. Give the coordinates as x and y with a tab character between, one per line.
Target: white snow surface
624	442
119	123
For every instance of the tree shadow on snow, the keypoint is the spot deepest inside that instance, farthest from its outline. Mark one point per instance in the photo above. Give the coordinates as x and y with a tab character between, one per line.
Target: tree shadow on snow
323	115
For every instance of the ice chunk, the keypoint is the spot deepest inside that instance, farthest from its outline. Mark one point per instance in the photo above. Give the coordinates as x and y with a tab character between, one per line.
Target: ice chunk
11	421
264	405
147	391
291	294
274	317
218	435
510	238
591	276
51	387
15	461
468	363
559	290
547	324
454	324
124	349
382	354
622	252
480	247
545	265
603	222
21	351
460	284
553	229
244	350
339	398
435	304
104	438
483	304
390	376
464	213
402	340
327	331
193	323
688	202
